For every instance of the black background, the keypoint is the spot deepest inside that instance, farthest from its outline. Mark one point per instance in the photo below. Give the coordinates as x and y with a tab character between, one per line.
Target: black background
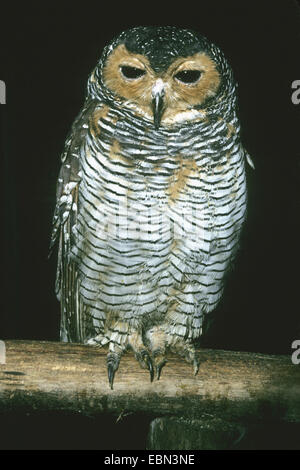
47	53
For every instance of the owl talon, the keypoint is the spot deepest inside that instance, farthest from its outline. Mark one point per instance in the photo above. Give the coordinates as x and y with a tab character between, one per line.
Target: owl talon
159	368
187	350
111	375
159	361
145	360
150	366
113	361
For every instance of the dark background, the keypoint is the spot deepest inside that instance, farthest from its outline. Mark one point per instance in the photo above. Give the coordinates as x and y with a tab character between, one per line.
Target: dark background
47	53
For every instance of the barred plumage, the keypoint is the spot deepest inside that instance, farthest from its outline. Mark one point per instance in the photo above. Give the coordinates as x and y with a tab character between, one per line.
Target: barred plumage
149	213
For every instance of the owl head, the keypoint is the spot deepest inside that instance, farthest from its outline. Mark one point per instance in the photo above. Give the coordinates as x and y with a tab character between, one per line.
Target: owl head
162	74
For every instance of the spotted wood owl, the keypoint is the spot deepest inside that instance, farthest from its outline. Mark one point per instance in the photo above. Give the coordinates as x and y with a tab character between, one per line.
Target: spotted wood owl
151	197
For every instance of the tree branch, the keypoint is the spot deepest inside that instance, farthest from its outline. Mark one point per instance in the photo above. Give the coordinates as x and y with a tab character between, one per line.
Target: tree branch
71	377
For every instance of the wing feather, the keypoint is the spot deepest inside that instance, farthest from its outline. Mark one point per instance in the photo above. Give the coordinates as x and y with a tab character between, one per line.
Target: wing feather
64	226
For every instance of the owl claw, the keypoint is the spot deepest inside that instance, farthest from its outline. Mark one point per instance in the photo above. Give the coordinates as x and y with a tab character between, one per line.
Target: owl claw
111	375
160	362
159	368
150	367
145	359
113	361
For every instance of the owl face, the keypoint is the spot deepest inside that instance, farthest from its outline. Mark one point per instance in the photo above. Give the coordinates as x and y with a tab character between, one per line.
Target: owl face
165	74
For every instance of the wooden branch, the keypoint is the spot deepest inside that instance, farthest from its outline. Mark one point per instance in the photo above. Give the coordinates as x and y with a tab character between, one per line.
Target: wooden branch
72	377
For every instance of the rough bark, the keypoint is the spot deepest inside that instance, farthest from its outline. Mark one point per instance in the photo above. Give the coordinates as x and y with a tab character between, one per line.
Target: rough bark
230	386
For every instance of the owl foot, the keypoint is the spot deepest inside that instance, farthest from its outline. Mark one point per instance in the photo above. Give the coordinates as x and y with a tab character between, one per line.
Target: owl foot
118	345
144	359
159	362
187	350
135	342
159	342
112	361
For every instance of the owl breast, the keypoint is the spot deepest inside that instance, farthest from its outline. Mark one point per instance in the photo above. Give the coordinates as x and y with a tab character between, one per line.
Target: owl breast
159	220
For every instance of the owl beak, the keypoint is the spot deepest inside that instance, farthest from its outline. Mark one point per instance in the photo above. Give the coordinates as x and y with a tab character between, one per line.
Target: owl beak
158	102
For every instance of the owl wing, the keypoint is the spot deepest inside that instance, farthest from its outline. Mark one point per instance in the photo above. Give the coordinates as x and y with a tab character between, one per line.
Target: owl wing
64	226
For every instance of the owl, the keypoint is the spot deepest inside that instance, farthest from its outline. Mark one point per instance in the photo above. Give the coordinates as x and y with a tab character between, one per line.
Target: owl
151	197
